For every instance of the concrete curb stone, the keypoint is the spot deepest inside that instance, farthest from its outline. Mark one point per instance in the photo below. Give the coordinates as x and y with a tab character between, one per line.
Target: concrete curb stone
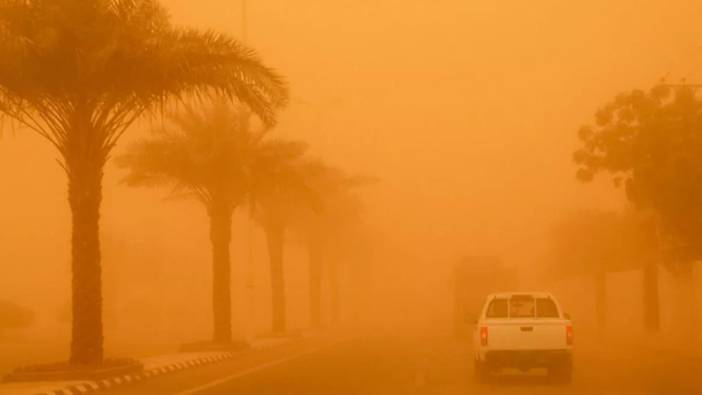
92	386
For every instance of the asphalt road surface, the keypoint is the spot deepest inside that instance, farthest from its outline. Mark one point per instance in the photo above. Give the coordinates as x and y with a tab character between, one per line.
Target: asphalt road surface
389	365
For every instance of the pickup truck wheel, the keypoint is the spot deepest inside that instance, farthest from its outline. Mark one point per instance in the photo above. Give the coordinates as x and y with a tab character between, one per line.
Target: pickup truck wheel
482	373
562	374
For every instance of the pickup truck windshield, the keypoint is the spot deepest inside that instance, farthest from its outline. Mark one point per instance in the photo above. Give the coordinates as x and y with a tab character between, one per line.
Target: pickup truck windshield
497	309
546	308
522	306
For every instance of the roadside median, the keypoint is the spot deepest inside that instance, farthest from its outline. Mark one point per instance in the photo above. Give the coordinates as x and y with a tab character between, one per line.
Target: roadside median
260	351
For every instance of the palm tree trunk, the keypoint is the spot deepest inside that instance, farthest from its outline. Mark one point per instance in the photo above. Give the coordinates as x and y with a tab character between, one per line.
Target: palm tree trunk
315	284
650	295
334	291
691	310
651	301
275	235
220	236
601	300
84	165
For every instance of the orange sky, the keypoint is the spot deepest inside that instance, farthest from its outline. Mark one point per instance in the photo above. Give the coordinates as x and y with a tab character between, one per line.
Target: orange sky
466	110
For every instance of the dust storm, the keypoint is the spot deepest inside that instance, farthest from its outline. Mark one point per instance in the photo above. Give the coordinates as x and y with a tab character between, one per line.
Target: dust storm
271	177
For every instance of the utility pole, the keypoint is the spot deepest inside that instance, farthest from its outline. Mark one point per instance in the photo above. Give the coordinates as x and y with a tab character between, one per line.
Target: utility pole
244	21
248	225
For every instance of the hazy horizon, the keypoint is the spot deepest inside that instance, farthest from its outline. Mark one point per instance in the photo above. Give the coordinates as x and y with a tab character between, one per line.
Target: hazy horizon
465	111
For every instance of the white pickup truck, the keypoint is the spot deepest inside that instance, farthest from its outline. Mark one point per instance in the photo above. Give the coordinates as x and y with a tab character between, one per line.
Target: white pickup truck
523	330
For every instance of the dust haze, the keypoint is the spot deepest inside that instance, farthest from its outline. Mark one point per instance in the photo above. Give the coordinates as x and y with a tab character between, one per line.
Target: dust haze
464	116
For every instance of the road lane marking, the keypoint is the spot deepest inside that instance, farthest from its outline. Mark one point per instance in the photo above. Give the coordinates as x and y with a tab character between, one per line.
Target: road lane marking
255	369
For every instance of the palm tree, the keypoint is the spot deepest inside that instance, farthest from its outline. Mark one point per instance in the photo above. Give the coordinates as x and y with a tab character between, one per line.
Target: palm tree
204	156
281	187
79	73
321	227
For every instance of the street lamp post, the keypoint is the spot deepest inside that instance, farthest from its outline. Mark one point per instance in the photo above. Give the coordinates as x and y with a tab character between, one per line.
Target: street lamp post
244	21
248	226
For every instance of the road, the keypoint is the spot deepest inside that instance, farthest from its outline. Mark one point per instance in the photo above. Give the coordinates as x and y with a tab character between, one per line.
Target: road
393	365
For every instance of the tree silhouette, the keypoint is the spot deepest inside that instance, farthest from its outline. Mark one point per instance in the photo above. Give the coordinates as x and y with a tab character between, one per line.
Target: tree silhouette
79	73
325	226
650	142
281	187
205	155
594	243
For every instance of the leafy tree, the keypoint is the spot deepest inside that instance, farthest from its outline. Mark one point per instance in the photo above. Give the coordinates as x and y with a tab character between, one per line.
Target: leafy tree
651	143
205	155
593	243
79	73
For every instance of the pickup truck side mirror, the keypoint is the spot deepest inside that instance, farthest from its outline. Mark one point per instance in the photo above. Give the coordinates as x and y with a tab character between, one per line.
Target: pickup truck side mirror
566	316
471	319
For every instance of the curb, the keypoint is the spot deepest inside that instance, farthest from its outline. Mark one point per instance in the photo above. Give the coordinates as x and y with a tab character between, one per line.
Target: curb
99	385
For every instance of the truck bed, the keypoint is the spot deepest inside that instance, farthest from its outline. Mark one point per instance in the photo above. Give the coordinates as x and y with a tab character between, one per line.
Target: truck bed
526	334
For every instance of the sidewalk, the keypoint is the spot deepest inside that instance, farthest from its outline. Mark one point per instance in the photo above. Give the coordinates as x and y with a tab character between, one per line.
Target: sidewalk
153	366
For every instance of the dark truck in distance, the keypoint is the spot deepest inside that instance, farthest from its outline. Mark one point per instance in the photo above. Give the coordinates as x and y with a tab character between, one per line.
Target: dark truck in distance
474	277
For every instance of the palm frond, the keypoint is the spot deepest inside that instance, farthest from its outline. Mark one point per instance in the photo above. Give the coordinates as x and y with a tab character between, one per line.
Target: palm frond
200	153
111	61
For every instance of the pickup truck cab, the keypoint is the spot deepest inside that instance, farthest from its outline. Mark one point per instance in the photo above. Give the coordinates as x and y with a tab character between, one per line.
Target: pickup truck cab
523	330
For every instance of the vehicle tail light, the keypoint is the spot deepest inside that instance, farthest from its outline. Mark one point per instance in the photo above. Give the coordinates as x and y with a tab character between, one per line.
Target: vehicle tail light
570	336
483	336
